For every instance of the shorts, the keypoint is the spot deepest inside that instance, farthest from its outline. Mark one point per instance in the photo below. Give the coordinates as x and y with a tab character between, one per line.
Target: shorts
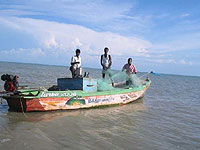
105	71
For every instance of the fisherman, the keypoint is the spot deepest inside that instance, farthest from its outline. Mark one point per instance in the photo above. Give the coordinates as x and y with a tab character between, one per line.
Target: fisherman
75	68
130	69
106	62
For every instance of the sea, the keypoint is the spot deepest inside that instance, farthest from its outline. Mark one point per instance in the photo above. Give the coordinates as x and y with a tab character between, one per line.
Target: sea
166	118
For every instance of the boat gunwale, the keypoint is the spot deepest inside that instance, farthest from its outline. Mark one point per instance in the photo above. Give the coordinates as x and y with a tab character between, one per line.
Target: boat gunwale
79	93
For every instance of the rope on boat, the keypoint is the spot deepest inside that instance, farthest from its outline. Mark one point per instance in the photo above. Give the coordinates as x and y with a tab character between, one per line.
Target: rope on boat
22	107
157	74
144	74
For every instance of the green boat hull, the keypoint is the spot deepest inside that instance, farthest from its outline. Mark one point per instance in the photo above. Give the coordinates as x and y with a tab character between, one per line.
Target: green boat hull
37	100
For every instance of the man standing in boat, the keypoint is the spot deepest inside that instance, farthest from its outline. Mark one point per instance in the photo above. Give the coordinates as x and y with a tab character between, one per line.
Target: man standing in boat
106	62
130	69
75	68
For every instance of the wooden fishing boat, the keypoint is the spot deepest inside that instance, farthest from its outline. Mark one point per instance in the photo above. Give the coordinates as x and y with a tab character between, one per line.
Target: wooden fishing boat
25	100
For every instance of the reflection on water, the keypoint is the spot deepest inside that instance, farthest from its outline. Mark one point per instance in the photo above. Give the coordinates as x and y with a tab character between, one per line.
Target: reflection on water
76	126
112	111
105	111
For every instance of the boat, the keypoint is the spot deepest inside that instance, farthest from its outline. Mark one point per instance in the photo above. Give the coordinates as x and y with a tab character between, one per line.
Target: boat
72	94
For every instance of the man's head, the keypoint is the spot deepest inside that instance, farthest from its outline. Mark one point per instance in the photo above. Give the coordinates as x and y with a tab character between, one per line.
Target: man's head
130	61
78	52
106	50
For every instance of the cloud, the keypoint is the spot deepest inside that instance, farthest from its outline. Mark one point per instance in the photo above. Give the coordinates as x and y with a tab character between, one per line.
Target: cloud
33	54
62	39
185	15
76	43
185	41
99	15
29	52
59	40
54	29
84	10
170	61
51	42
186	62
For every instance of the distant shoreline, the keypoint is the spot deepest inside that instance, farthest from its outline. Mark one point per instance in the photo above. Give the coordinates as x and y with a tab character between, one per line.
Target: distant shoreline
91	68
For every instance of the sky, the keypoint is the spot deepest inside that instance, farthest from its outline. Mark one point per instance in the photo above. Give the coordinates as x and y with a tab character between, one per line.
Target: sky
159	35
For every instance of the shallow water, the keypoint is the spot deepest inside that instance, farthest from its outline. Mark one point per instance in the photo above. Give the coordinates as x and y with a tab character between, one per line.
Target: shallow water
168	117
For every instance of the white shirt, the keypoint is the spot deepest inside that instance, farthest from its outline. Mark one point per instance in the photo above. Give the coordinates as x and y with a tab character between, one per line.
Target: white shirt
76	59
106	60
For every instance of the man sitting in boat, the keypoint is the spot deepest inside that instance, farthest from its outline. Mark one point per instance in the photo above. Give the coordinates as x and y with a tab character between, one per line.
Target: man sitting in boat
75	68
130	69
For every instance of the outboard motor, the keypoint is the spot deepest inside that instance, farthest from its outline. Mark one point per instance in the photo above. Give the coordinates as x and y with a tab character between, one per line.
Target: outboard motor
11	82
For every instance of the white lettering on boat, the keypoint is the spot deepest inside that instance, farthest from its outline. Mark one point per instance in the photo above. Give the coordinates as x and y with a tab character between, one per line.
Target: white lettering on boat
68	94
44	94
98	100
